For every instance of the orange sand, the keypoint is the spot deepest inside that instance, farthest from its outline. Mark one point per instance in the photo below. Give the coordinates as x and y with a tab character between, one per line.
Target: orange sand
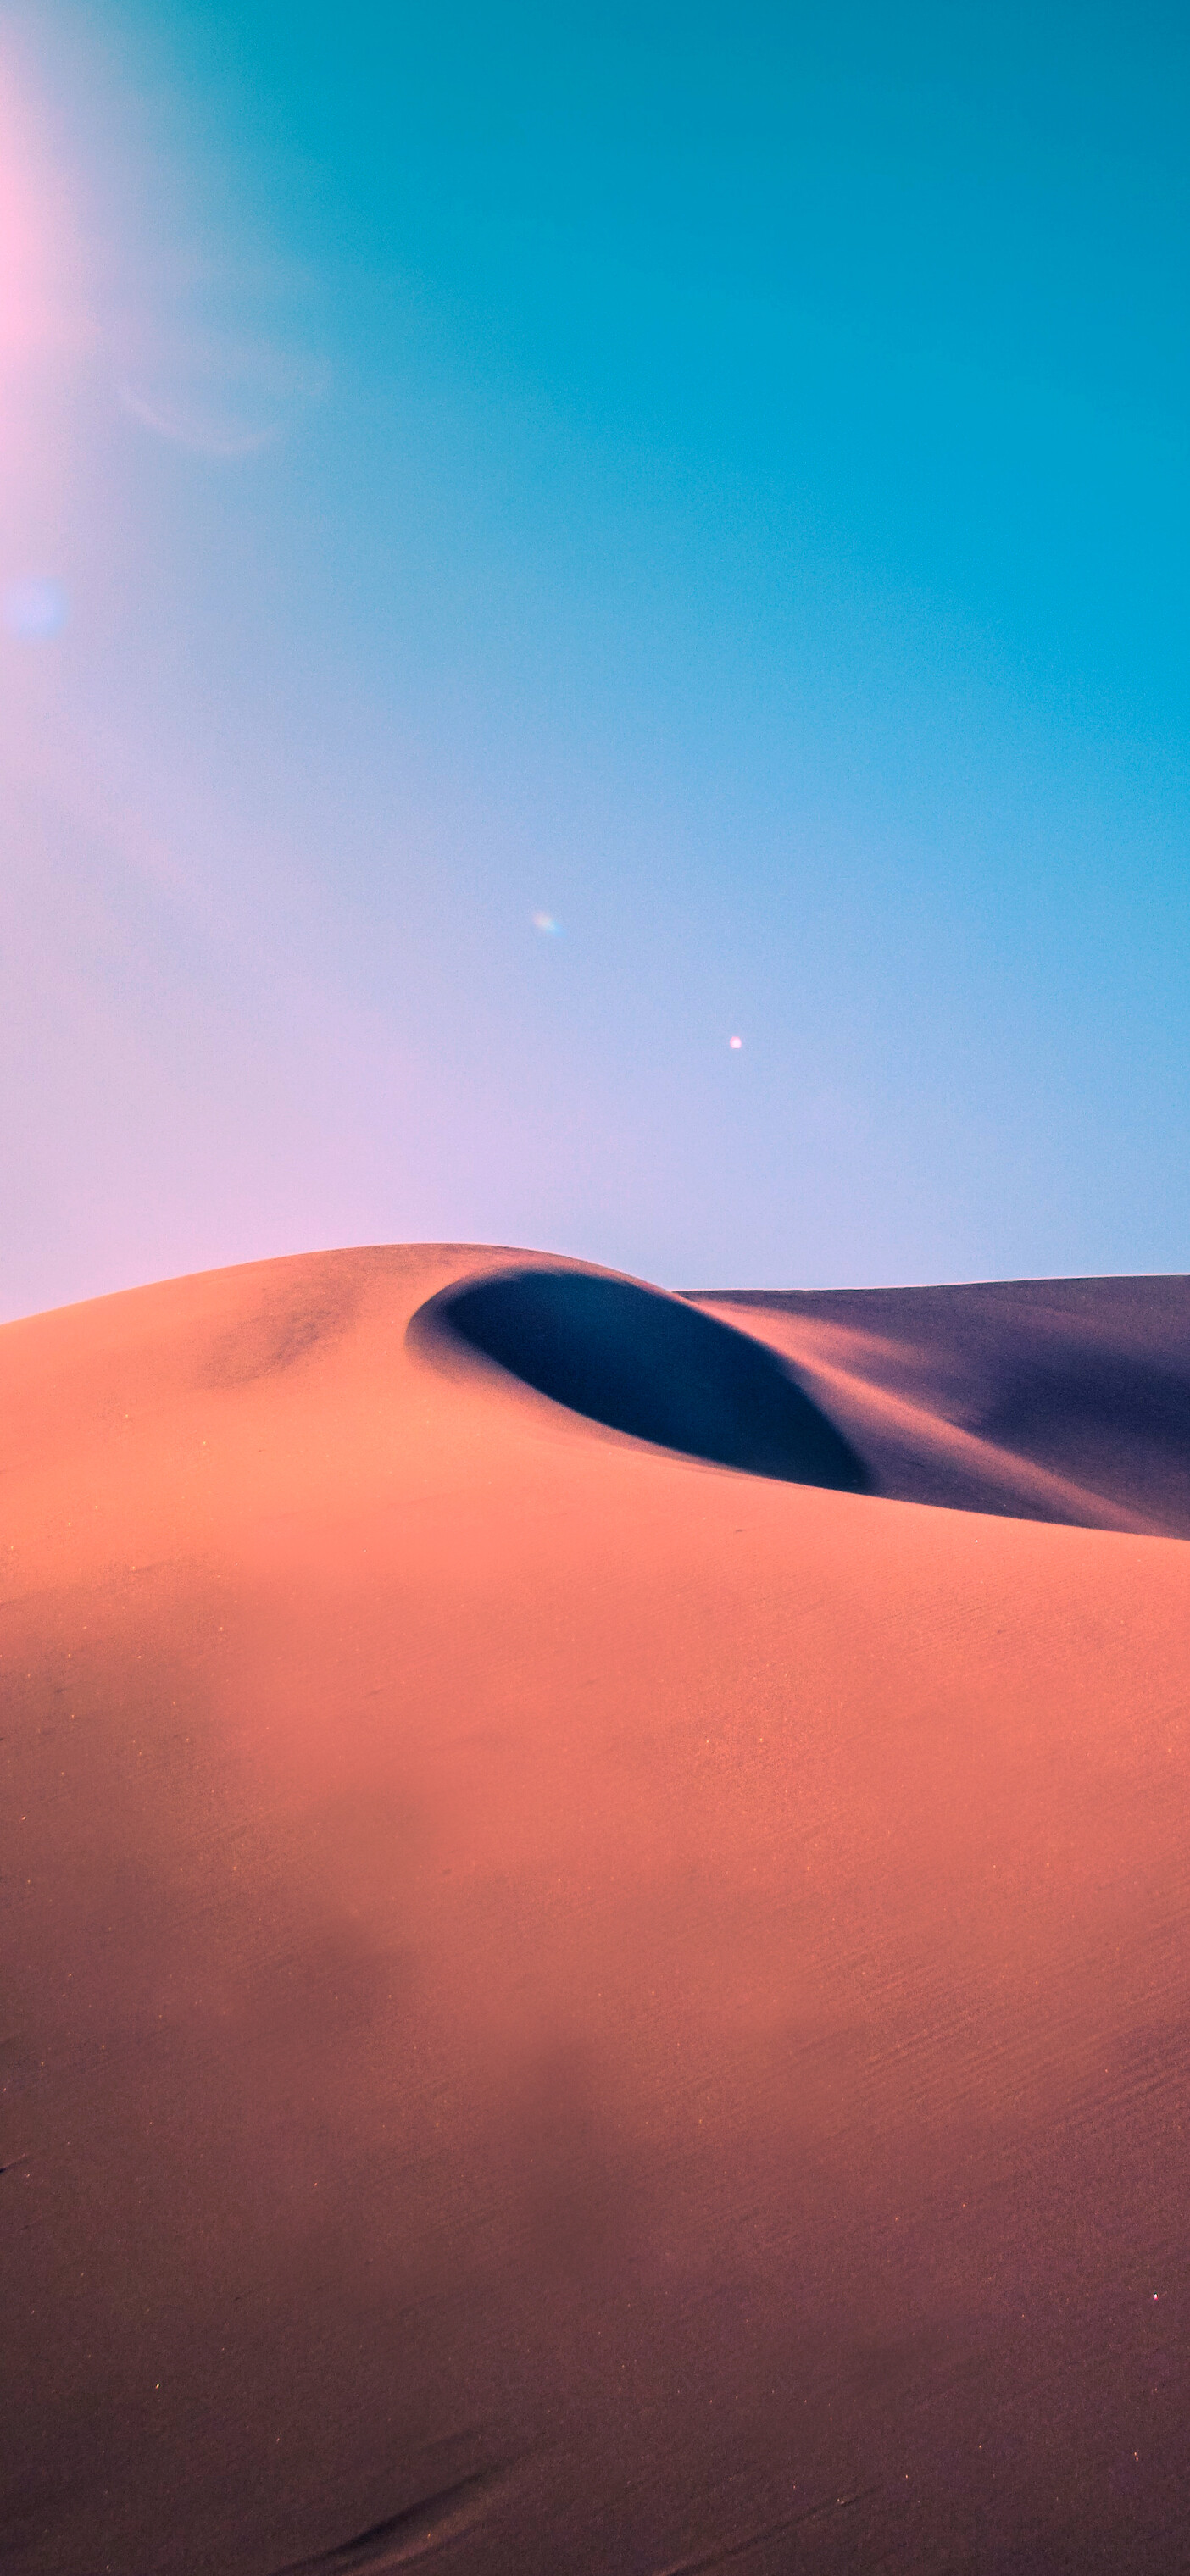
567	2008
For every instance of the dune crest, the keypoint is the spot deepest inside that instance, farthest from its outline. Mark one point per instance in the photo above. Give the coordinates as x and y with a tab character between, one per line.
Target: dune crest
1050	1399
645	1364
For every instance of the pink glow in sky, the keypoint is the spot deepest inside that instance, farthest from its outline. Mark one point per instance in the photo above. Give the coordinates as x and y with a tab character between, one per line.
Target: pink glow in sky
42	311
25	296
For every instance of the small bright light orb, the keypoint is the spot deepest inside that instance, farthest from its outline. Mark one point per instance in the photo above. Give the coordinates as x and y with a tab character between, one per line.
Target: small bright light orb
545	922
735	1042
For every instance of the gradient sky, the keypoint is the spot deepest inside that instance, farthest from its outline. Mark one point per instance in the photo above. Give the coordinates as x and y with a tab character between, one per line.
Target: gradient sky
714	479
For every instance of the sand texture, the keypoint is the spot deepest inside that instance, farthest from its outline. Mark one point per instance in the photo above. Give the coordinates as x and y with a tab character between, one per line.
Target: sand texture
595	1960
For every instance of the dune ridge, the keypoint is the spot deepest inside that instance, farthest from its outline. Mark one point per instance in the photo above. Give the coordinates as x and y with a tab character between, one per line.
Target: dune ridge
1051	1399
645	1364
569	2003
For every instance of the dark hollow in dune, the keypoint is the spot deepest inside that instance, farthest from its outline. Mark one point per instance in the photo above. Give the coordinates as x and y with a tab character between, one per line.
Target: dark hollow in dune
645	1364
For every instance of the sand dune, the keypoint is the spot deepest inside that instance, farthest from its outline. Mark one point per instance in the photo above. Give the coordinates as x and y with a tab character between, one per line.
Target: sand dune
645	1364
1052	1399
591	1981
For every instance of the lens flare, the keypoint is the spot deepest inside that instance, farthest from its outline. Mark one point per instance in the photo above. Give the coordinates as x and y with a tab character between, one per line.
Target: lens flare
545	922
205	431
34	610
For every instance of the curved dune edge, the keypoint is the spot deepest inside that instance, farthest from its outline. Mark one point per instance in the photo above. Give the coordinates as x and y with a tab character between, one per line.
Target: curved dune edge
1062	1399
938	1461
816	1412
566	2007
616	1352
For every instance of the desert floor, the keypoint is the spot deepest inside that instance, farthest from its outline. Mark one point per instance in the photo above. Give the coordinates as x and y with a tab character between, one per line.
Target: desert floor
575	2001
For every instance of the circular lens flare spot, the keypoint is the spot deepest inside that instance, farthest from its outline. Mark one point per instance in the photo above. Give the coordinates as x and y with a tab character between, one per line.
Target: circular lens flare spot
546	924
735	1042
34	610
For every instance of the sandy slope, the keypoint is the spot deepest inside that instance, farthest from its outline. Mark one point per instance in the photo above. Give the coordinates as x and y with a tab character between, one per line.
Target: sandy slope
1051	1399
568	2007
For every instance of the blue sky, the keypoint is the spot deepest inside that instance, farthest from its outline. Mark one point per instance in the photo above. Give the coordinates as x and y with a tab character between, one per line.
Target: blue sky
714	479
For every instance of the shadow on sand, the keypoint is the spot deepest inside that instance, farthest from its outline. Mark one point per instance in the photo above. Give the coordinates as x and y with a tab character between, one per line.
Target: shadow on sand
645	1364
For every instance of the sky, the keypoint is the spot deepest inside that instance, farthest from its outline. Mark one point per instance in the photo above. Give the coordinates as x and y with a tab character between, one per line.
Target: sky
536	544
